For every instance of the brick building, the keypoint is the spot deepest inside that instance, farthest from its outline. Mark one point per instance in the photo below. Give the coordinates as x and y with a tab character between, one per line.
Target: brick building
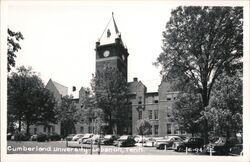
155	106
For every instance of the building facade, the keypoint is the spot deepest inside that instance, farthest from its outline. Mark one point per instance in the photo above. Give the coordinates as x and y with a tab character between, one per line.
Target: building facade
154	106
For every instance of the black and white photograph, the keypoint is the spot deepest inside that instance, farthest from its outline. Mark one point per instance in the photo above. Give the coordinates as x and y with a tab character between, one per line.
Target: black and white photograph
142	80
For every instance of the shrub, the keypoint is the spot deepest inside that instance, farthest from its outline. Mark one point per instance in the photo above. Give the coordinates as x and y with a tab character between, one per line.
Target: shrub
20	137
42	138
54	137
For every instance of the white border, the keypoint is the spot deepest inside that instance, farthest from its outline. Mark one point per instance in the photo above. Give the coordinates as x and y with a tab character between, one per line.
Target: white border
31	157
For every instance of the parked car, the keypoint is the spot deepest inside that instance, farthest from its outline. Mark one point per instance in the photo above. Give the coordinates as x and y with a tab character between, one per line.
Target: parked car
125	140
193	143
69	137
221	146
109	139
167	142
236	150
94	139
150	142
77	136
140	139
84	138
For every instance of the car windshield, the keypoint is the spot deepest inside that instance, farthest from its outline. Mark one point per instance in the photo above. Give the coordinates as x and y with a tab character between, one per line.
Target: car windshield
87	135
168	138
124	137
107	136
96	136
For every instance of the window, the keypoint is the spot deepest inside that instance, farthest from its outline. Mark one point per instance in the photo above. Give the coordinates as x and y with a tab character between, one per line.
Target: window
49	129
35	130
150	130
156	99
89	129
81	129
53	128
169	125
156	114
156	129
168	98
140	115
44	129
140	98
150	114
168	112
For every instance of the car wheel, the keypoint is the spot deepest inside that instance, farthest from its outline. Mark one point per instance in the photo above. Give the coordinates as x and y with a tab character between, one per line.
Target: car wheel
161	147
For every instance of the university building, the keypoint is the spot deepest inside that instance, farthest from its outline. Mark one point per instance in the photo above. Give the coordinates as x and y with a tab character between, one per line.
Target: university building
155	106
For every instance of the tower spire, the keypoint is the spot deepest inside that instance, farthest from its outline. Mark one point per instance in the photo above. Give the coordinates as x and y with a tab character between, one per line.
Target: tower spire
116	28
110	33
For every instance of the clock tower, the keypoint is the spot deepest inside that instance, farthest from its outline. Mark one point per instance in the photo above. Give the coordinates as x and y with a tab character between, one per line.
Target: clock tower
110	50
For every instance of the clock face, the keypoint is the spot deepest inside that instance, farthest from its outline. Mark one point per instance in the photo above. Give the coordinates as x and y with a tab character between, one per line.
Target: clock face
106	53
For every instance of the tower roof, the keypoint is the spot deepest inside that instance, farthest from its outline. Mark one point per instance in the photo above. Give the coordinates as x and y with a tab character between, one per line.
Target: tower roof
110	33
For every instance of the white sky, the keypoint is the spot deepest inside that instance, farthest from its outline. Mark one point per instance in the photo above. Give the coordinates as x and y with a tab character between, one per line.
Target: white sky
60	38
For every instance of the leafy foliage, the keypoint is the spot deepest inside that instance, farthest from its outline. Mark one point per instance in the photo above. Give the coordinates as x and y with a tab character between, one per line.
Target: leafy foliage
110	89
202	43
66	113
28	100
186	112
13	47
224	112
143	126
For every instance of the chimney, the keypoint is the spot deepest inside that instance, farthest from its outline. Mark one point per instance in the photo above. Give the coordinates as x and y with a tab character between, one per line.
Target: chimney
135	79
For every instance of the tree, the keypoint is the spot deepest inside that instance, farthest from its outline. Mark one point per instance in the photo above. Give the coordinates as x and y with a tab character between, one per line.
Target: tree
28	100
110	90
89	113
202	42
143	127
186	112
13	47
224	112
67	113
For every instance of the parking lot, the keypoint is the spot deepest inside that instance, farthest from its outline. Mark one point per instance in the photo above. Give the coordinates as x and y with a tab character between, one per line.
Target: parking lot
59	147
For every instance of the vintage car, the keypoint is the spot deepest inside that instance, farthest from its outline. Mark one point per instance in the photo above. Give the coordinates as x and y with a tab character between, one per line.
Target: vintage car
69	137
94	139
193	143
125	140
140	139
221	146
77	136
109	139
84	138
167	142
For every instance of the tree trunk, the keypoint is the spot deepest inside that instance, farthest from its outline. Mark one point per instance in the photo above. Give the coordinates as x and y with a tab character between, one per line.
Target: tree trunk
19	124
142	139
205	101
28	129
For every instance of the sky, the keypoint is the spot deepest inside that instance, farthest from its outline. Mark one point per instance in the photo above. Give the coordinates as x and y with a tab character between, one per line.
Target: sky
59	39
